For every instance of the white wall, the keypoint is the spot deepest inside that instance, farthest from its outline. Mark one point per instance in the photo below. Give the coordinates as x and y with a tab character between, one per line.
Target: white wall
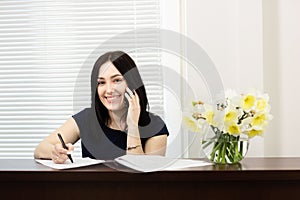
253	43
231	34
281	75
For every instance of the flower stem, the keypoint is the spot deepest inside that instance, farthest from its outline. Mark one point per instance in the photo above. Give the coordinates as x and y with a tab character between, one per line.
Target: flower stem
226	148
224	153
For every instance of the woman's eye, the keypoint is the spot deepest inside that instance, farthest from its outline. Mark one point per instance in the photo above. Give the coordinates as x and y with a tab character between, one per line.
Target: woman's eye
118	80
101	83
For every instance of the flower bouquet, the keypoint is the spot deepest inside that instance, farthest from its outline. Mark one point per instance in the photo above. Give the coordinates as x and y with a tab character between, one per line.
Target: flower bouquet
228	126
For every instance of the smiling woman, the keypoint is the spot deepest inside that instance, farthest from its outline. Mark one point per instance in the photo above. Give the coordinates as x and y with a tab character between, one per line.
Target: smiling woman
118	121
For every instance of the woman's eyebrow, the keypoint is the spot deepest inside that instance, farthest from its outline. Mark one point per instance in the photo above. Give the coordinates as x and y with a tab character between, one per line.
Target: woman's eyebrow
116	75
113	76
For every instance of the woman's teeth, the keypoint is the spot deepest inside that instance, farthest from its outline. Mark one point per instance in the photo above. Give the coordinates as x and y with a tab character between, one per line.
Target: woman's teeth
112	98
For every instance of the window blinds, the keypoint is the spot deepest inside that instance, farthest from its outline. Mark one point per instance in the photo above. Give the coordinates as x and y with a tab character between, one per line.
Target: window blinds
45	61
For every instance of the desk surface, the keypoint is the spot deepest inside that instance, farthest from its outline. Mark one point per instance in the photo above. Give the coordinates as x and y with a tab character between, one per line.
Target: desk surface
257	178
249	168
247	164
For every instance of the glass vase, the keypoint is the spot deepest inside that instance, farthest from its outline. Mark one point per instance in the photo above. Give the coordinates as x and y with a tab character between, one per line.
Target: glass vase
223	148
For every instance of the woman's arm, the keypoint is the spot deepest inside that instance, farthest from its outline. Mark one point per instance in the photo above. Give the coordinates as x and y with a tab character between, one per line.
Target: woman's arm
51	148
134	144
154	145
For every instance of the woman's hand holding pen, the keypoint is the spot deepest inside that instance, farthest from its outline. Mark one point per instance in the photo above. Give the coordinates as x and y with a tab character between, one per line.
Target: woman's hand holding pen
59	155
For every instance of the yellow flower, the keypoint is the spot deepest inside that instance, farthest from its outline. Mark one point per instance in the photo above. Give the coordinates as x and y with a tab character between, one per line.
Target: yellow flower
191	124
248	101
252	133
209	115
233	129
261	104
230	116
258	119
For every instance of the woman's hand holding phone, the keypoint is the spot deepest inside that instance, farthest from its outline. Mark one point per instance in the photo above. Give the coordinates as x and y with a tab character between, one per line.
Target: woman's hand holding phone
133	107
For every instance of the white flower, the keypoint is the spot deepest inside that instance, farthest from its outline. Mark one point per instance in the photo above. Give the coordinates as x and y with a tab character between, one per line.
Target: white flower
247	113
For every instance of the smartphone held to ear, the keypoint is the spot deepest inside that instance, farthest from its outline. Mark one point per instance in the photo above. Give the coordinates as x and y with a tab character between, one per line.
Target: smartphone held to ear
128	94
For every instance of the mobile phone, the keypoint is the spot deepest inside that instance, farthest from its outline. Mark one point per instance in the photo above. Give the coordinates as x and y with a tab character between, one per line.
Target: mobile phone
129	93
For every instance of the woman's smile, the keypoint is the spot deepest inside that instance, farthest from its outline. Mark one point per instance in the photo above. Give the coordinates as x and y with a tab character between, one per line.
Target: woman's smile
113	98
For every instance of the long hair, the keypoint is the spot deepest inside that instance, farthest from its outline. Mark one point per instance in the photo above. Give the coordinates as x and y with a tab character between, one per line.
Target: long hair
127	67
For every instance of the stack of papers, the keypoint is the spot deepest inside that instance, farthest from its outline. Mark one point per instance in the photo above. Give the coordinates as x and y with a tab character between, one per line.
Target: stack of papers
141	163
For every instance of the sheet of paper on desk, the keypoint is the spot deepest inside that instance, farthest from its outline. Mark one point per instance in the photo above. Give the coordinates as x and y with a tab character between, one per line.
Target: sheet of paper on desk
187	163
78	162
142	163
151	163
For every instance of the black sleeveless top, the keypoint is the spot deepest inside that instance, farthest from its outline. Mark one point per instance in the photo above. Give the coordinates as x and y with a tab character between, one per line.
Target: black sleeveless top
110	143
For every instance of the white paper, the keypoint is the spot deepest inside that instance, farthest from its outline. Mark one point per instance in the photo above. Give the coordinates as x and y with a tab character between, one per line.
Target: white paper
151	163
186	163
142	163
78	162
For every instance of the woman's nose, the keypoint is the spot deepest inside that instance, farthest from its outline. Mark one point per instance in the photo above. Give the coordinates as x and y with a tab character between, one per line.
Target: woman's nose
110	88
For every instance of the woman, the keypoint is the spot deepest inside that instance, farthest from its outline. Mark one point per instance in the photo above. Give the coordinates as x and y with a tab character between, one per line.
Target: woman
117	123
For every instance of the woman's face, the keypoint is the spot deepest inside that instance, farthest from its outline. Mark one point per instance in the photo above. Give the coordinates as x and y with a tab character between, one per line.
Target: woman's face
111	87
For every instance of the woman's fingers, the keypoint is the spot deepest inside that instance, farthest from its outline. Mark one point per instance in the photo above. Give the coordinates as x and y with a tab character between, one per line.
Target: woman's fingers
136	96
59	154
134	108
70	148
132	97
129	91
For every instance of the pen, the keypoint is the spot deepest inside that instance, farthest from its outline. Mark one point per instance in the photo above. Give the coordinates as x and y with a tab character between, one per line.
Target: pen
64	145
